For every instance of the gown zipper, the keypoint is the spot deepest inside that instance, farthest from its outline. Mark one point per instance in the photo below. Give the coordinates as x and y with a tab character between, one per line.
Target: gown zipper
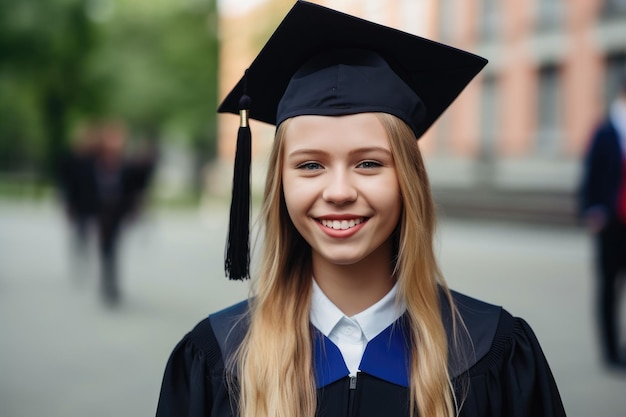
351	395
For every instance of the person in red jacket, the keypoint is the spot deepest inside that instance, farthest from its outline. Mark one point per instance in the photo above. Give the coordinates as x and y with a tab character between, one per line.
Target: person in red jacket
603	206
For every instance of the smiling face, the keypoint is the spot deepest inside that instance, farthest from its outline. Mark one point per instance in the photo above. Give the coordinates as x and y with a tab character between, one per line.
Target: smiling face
340	187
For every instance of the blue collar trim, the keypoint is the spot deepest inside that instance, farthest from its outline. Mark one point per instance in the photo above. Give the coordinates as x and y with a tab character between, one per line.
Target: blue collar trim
329	363
387	356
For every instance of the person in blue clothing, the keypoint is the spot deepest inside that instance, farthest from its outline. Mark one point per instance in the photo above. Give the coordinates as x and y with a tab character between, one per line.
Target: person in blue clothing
603	207
350	314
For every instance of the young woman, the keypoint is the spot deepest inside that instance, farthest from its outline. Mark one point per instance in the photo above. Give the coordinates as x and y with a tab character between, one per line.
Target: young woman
350	315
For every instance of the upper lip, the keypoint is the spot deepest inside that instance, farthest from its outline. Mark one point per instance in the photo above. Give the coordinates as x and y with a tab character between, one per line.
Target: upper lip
346	216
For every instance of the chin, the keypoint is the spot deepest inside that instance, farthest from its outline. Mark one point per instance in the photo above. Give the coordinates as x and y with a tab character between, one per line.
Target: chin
343	260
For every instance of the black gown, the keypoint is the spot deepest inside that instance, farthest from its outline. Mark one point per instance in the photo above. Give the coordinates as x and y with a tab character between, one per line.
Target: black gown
505	375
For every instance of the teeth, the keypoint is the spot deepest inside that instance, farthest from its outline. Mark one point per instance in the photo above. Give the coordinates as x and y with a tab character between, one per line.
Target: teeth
342	224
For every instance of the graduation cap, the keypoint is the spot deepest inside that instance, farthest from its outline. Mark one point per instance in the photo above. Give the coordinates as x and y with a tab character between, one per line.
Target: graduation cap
323	62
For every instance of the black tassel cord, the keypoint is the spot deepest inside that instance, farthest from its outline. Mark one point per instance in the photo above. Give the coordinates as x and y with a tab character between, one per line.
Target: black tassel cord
237	260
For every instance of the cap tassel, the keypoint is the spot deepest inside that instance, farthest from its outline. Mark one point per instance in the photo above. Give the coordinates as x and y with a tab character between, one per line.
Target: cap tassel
237	261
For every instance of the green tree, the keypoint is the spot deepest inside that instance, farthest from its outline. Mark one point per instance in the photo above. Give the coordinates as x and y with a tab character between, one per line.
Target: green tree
149	63
168	65
45	47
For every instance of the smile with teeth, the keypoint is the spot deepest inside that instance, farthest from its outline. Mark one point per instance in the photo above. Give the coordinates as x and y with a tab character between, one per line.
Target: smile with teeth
341	224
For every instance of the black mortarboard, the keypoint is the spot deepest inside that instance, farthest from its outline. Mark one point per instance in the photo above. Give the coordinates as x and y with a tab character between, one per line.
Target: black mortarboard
324	62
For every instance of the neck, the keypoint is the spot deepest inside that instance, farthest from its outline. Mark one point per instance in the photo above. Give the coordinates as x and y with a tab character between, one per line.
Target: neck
353	288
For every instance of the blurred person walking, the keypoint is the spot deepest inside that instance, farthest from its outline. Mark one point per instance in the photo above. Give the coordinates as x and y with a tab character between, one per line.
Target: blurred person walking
603	207
143	164
78	193
118	192
102	189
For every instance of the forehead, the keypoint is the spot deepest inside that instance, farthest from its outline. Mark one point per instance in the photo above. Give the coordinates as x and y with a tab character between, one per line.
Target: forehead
335	133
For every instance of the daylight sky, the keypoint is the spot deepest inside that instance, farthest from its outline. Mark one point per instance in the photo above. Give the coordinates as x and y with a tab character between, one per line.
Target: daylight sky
235	7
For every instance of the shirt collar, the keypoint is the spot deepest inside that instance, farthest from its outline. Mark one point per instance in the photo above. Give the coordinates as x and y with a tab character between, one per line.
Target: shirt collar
325	315
618	118
381	315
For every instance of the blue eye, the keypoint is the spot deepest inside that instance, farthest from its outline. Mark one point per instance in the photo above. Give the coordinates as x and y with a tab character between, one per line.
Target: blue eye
310	166
369	164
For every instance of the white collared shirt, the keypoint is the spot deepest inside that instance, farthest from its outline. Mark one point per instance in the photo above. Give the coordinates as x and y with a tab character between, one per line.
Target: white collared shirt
351	334
618	118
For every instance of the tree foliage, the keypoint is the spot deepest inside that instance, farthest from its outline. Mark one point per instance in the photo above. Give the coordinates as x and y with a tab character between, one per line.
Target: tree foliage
149	63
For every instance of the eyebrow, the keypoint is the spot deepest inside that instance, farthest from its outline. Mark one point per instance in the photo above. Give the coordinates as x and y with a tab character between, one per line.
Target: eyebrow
307	151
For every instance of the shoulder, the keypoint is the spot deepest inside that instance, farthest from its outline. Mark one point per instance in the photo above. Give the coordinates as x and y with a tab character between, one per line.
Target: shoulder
605	132
471	308
509	374
211	333
481	320
474	333
486	323
229	326
195	375
232	311
607	127
496	335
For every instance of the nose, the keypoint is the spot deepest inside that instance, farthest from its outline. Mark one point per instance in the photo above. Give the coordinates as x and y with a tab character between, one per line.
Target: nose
339	189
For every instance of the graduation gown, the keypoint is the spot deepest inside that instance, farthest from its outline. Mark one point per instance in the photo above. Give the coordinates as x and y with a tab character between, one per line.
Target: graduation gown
504	371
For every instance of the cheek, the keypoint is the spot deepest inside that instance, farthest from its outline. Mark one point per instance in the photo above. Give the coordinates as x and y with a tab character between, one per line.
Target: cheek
385	186
296	211
390	198
293	198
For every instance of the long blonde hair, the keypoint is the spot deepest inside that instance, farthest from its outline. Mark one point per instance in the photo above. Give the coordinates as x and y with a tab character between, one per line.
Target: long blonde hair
274	363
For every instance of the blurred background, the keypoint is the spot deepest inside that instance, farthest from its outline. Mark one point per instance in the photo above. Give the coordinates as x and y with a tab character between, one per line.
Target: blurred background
120	96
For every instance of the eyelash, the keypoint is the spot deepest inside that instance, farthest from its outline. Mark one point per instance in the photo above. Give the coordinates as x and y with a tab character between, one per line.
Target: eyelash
372	164
310	166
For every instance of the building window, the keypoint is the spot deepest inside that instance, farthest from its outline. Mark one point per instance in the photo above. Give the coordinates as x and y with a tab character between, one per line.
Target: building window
447	18
549	112
489	117
550	14
490	19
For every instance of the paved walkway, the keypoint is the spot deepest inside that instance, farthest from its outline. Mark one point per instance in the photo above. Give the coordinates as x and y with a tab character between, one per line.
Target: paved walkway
63	354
